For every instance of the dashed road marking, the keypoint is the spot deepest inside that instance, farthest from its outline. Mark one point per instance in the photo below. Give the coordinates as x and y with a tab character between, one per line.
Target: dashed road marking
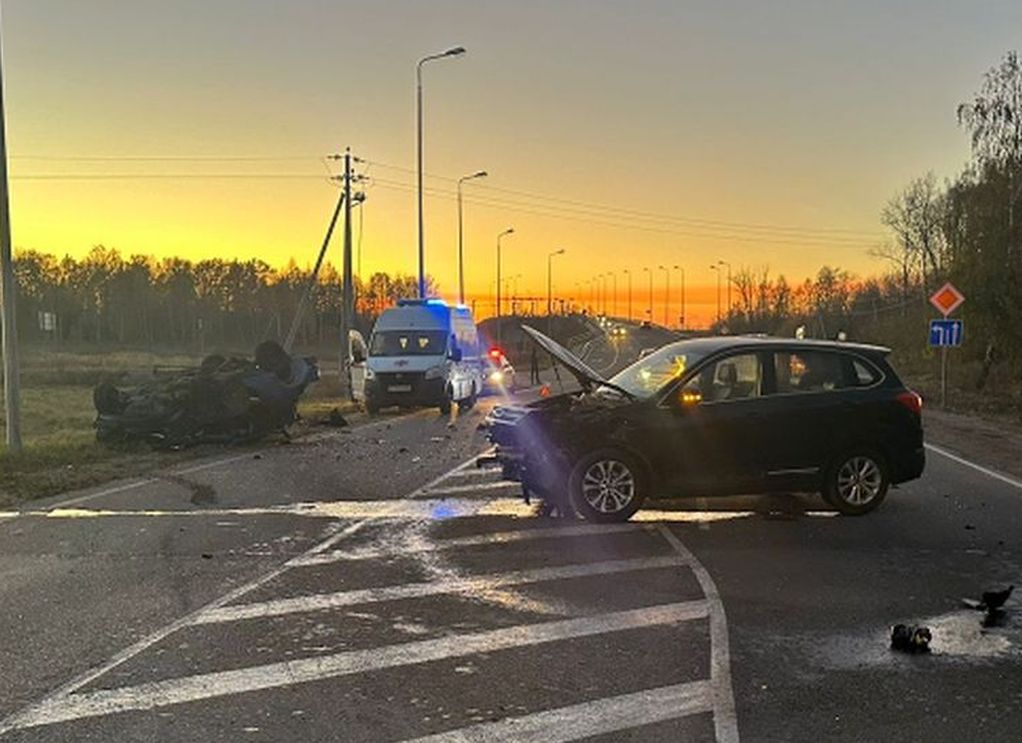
305	670
478	488
320	601
589	719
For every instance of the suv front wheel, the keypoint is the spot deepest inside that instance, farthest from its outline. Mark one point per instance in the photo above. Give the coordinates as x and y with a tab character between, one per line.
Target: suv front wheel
857	482
607	486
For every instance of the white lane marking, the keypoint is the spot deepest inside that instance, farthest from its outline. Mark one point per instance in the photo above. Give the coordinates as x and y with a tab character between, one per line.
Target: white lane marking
218	463
477	472
478	487
305	670
978	467
500	537
58	696
316	602
725	719
589	719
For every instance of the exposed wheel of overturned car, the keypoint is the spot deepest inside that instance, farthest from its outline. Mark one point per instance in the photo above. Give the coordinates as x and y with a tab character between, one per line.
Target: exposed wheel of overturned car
856	482
608	485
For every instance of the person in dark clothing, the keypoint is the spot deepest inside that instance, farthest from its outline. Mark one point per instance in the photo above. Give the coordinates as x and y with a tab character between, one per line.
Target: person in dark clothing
533	366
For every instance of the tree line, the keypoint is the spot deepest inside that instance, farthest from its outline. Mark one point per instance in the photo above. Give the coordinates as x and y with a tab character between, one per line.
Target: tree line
108	298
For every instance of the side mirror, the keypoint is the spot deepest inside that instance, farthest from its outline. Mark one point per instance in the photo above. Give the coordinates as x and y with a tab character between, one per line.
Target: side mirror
454	354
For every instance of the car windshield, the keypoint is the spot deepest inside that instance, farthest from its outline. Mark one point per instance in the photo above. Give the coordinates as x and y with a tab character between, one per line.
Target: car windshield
649	374
408	343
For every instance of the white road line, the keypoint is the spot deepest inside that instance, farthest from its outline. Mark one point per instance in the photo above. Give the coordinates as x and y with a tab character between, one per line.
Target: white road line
481	487
477	472
305	670
589	719
59	696
500	537
725	719
978	467
113	490
317	602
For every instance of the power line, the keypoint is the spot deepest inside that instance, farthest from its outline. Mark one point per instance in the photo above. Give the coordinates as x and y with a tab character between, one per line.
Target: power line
695	221
585	217
165	158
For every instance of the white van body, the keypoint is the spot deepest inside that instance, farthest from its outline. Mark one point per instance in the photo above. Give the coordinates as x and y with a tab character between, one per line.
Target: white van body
423	352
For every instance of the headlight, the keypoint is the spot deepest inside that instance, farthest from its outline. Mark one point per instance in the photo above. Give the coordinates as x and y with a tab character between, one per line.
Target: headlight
497	377
434	372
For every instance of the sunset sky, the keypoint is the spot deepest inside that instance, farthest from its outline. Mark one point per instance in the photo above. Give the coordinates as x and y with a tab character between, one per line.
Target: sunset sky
631	134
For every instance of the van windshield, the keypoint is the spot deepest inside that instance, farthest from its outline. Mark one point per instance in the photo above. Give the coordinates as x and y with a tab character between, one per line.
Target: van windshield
408	343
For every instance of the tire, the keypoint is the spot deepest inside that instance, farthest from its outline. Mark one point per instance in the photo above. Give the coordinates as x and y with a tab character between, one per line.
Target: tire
445	403
857	482
607	486
469	402
371	406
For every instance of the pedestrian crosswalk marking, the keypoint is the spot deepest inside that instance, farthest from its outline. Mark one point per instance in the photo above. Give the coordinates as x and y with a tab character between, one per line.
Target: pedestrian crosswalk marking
317	602
589	719
304	670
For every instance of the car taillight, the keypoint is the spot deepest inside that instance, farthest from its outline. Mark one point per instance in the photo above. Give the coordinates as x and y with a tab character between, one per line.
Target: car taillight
912	401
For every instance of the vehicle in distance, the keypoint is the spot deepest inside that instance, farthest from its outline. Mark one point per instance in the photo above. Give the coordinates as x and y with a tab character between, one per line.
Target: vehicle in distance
717	416
498	373
646	324
618	331
421	352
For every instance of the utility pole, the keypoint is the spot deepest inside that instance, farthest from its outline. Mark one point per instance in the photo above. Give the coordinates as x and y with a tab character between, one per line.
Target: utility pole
348	292
715	267
12	390
461	235
613	299
681	317
650	310
725	263
667	296
629	274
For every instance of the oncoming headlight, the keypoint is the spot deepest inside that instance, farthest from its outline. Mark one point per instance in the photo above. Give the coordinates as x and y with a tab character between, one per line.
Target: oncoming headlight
497	376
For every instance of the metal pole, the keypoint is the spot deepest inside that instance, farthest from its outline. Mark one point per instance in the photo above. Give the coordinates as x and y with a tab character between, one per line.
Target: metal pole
12	390
681	318
418	160
613	299
461	249
348	311
667	295
943	377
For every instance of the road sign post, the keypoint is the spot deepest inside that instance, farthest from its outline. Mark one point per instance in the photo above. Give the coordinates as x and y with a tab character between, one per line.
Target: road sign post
946	333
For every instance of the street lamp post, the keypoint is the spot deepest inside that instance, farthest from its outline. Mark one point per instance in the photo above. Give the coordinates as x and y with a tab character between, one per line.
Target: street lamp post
453	52
629	274
613	297
461	235
715	267
725	263
508	231
649	312
549	279
667	296
681	317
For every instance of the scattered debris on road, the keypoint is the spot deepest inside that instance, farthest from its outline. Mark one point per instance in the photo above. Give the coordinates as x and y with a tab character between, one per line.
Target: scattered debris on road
909	638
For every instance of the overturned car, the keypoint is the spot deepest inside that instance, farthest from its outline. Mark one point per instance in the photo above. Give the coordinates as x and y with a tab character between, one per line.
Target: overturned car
716	416
226	399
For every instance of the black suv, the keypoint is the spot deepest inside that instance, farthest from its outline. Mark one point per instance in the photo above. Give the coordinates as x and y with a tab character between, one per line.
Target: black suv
717	416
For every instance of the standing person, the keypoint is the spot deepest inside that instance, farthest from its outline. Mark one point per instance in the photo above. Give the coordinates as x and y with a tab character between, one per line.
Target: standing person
533	366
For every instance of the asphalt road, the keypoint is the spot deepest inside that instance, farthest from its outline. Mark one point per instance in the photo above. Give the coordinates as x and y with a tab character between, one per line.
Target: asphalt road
370	585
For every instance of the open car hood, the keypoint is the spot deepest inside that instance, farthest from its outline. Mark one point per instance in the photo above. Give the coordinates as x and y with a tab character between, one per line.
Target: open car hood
586	375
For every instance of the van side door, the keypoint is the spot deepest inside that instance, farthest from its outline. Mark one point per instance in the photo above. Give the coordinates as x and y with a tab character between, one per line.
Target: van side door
356	363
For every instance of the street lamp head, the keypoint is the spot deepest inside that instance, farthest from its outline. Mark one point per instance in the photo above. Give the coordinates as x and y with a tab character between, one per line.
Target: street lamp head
454	51
559	252
480	174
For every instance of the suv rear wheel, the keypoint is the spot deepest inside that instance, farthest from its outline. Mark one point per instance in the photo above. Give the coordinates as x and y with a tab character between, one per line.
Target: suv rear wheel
607	486
857	482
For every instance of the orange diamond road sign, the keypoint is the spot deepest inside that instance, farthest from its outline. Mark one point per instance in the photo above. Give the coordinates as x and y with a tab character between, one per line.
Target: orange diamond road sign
947	299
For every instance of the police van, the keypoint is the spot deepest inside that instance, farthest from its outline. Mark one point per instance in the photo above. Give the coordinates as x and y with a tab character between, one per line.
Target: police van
423	352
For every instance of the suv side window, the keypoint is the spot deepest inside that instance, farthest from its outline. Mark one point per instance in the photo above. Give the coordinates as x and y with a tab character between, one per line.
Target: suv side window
732	378
864	374
808	371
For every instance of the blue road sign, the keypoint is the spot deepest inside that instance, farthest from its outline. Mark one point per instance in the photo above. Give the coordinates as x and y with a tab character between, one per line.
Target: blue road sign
946	332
